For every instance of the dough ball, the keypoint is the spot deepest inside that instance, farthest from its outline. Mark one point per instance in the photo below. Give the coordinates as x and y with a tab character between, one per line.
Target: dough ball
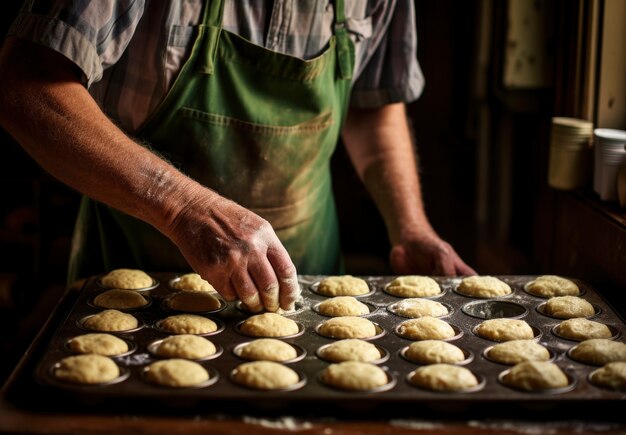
345	285
580	329
535	376
505	330
99	344
343	306
426	328
265	375
354	376
548	286
598	351
443	377
177	373
567	307
269	325
483	287
111	320
192	282
612	376
185	346
129	279
193	302
415	307
413	286
433	352
188	324
348	327
120	299
517	351
87	369
349	349
268	349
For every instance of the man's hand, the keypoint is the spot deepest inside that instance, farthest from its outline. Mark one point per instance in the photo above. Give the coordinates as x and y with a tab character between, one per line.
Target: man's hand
238	252
427	255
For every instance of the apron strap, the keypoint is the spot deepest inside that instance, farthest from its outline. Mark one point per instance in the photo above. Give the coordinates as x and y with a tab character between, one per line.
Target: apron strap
344	45
212	27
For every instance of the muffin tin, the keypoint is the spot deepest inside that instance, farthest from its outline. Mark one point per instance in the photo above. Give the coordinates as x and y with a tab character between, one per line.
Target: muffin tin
398	397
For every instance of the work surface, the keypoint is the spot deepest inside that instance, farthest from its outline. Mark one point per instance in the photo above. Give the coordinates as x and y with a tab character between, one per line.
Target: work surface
28	407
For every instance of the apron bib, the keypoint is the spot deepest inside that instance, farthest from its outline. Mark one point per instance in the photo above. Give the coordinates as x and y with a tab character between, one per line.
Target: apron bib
258	127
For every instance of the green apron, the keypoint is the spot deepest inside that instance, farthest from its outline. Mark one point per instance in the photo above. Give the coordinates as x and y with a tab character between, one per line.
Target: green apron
258	127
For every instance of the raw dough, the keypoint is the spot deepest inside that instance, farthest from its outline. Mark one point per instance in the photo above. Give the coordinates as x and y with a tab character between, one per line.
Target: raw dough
269	325
343	306
354	375
348	327
188	324
550	285
185	346
612	375
505	330
265	375
535	375
176	372
349	349
483	287
129	279
413	286
580	329
415	307
434	351
120	299
268	349
598	351
345	285
193	302
426	328
517	351
87	369
443	377
111	320
193	282
97	343
567	307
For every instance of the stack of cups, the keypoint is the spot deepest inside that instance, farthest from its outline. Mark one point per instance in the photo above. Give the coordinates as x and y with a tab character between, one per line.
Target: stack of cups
570	153
608	157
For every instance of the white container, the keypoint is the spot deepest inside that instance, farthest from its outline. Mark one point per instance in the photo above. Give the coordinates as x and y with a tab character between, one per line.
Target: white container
609	156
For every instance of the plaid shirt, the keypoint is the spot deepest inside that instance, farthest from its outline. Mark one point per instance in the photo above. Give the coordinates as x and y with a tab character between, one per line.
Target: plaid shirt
130	51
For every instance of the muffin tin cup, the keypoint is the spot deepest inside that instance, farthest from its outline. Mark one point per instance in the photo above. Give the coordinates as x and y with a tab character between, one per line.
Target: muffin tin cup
485	354
214	376
132	347
152	349
299	307
615	333
537	334
572	382
442	293
302	381
379	333
372	309
124	375
301	330
581	292
384	355
165	306
92	304
391	309
81	324
221	326
300	353
469	357
494	309
155	284
391	383
541	309
458	333
481	384
314	288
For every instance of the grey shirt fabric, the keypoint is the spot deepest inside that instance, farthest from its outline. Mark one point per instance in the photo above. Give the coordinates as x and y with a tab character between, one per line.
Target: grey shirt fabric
130	51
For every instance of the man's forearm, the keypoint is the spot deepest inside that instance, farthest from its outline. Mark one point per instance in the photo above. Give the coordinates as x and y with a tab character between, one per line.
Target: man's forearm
380	146
47	110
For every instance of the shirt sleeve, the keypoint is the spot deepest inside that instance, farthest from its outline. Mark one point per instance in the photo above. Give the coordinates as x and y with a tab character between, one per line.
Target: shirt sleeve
93	34
392	72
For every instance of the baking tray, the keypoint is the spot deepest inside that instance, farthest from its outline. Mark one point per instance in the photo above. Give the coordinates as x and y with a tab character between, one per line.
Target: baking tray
491	399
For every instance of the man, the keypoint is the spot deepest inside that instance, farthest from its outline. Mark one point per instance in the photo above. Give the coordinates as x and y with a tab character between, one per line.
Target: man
237	107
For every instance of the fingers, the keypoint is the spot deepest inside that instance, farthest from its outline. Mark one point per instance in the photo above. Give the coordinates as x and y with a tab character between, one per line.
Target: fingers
246	290
288	287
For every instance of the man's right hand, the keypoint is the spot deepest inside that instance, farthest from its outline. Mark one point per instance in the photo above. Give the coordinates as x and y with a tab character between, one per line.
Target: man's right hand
237	251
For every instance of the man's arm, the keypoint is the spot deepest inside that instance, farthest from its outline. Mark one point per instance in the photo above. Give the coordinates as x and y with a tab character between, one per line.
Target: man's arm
49	112
380	146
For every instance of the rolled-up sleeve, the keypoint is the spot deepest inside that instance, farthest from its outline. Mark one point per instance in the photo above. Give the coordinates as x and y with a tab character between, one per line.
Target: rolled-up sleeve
392	73
93	34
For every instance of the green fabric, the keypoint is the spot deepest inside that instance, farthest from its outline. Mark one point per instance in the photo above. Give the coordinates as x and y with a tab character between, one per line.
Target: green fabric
257	126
